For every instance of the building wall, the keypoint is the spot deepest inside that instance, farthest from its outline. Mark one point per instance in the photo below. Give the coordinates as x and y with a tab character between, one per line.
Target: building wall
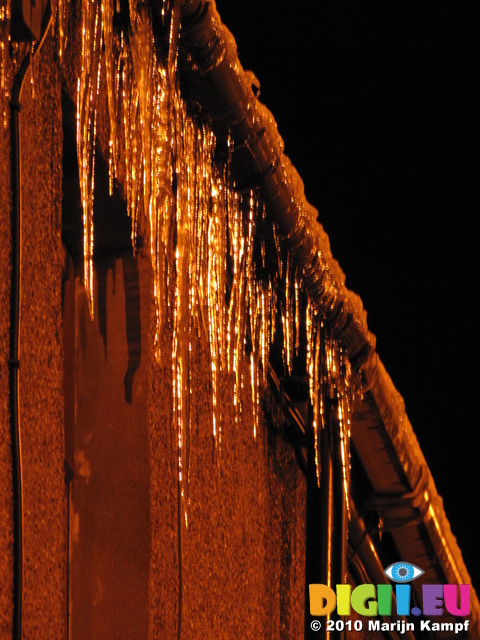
6	497
243	554
41	357
102	551
244	551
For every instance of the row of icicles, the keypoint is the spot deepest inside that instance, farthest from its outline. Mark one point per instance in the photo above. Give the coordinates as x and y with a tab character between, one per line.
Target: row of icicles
210	271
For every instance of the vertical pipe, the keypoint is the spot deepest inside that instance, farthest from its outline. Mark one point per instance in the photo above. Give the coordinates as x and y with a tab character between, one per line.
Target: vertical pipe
319	556
340	495
340	501
336	551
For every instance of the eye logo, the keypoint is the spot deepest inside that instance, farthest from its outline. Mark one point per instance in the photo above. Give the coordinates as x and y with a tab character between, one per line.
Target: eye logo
403	572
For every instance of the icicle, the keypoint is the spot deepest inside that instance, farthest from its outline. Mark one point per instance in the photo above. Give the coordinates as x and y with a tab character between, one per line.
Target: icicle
345	409
233	215
279	252
193	213
239	318
4	46
60	18
172	41
297	313
329	375
183	133
318	391
216	300
251	303
107	10
32	80
272	303
289	319
87	95
264	326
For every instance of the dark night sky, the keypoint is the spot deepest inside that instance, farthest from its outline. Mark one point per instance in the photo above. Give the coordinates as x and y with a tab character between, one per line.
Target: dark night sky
375	102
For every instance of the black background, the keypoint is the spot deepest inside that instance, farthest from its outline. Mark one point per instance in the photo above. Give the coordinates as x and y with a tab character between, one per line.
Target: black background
376	102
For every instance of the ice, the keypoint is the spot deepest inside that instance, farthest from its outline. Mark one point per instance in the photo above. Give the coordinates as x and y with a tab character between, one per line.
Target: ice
204	245
87	95
5	15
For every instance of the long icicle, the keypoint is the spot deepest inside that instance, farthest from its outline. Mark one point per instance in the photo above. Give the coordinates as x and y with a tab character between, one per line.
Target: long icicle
87	95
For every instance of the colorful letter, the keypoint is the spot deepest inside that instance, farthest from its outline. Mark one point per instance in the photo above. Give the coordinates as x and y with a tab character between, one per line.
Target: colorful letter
361	595
450	595
402	593
322	599
343	599
384	597
432	599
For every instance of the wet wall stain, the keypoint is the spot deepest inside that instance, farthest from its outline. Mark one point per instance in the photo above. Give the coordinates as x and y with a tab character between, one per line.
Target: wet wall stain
112	232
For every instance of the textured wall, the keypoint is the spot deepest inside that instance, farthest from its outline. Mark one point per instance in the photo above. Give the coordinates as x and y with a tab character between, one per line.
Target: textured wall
42	365
41	372
6	498
243	554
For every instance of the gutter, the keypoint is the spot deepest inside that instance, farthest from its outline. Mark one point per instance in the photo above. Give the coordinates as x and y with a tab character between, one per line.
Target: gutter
211	68
214	78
